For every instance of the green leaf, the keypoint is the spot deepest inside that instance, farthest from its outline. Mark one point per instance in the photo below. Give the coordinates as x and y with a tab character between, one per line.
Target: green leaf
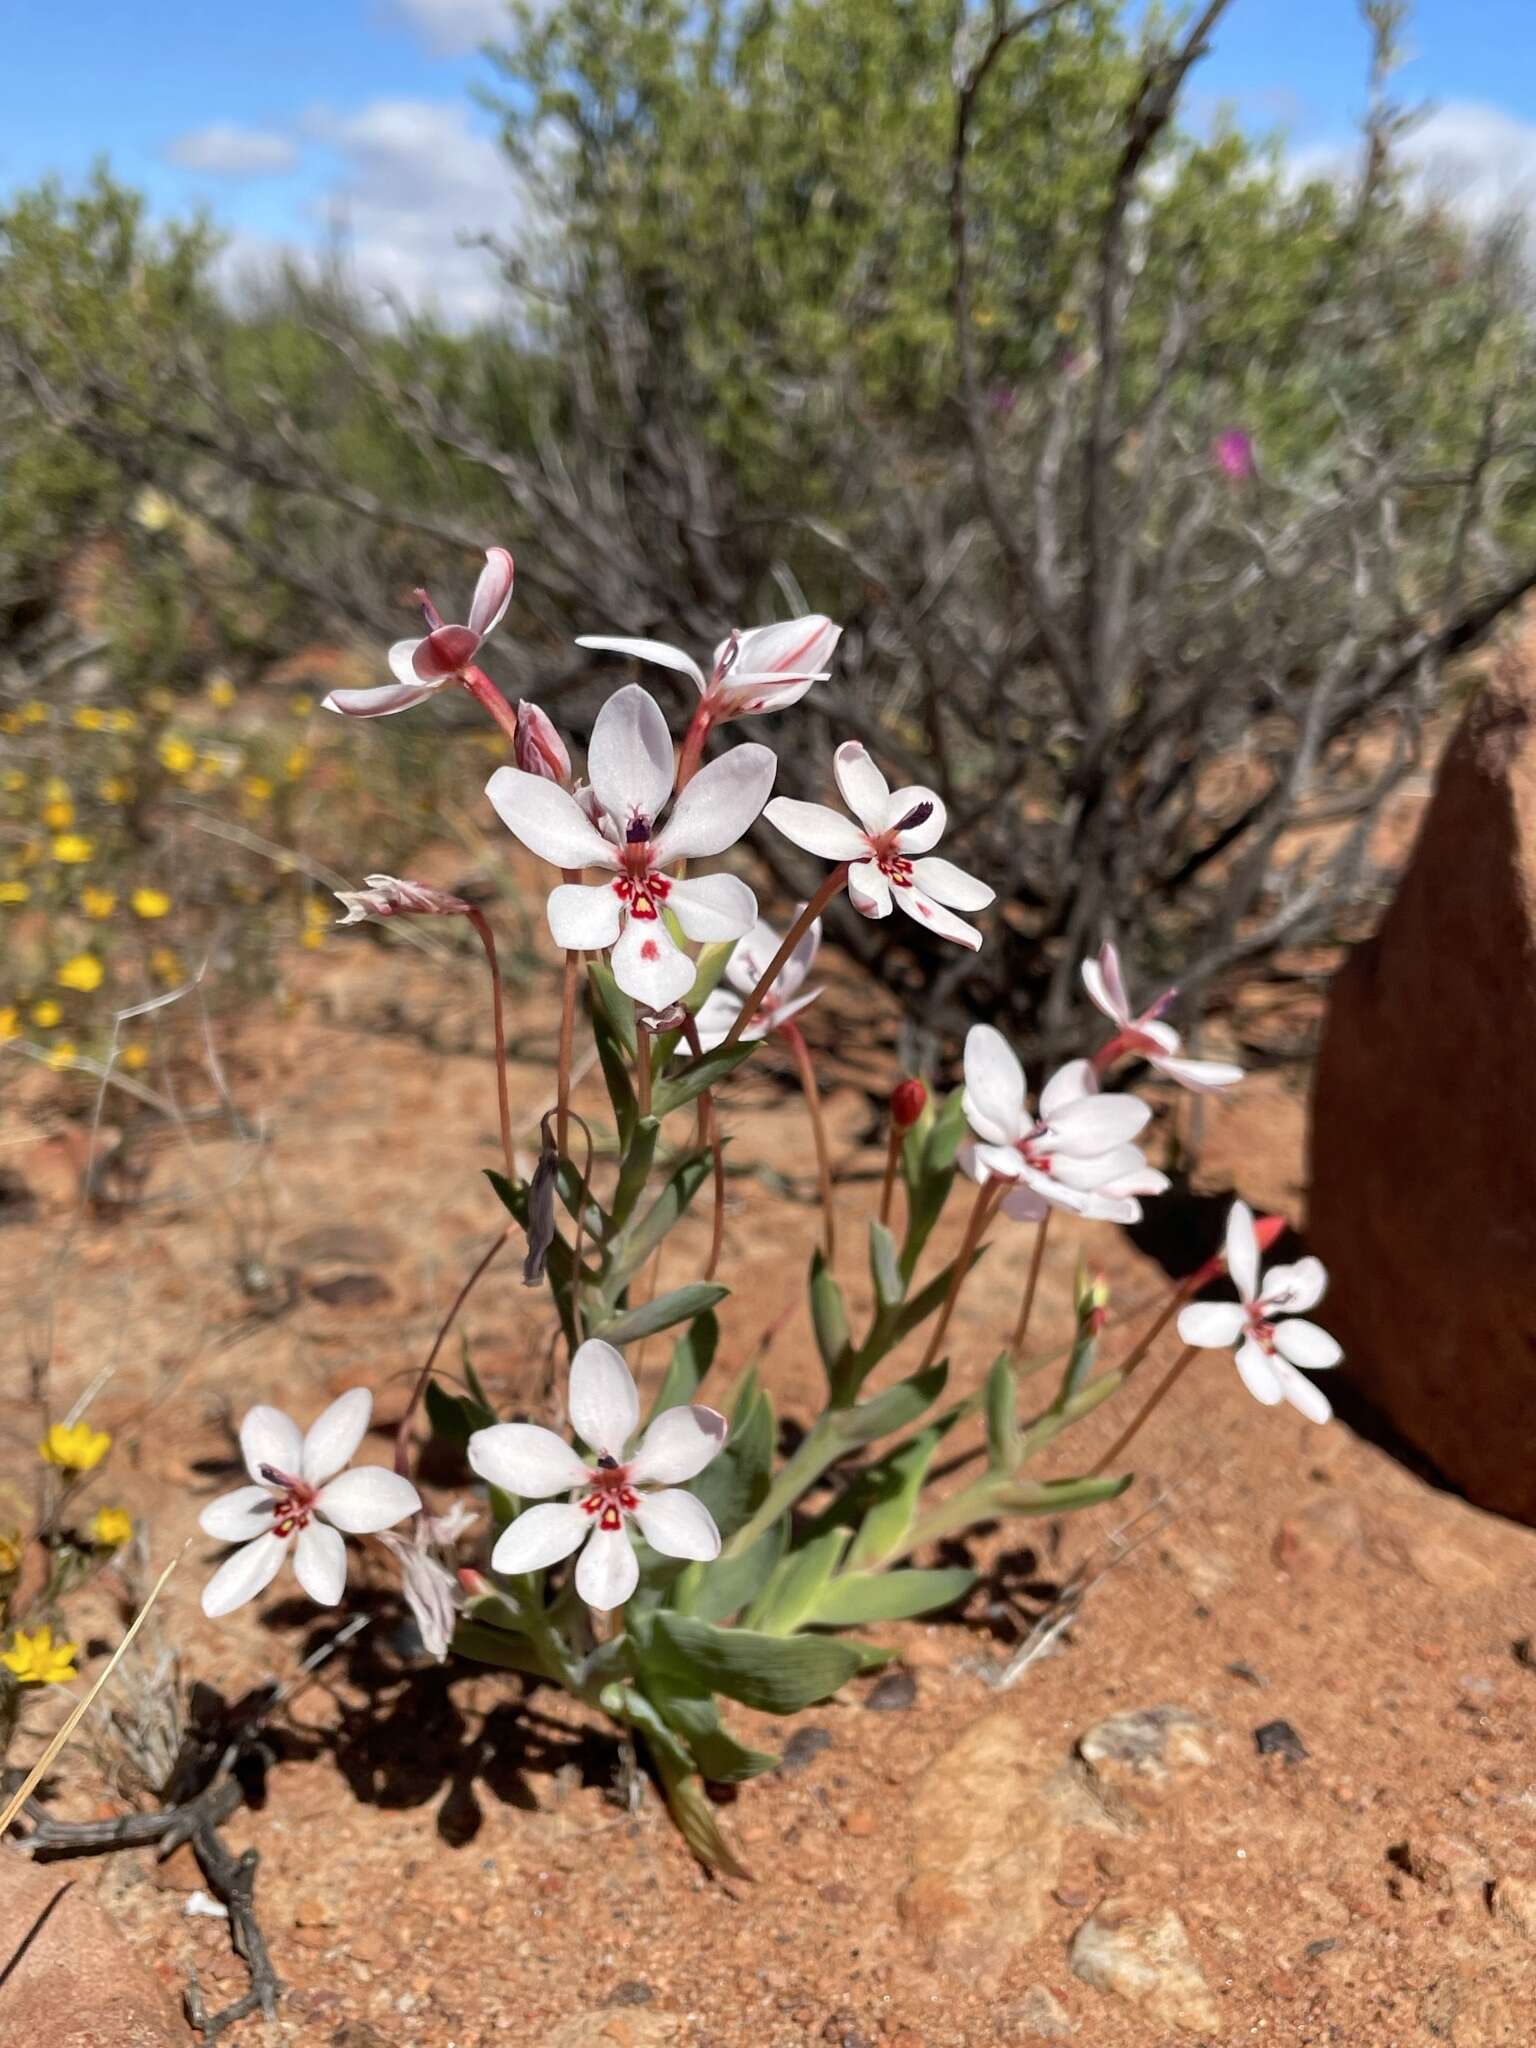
917	1308
618	1011
714	1592
692	1356
733	1485
496	1646
686	1798
885	1267
789	1597
707	1071
892	1409
680	1306
617	1080
1004	1449
630	1250
928	1168
829	1320
691	1712
634	1170
892	1489
1057	1496
455	1417
859	1597
775	1674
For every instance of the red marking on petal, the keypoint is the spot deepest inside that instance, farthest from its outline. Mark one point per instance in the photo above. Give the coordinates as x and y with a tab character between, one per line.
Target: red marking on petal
650	950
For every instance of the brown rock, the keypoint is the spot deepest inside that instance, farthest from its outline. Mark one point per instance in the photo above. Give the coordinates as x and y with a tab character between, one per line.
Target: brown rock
1451	1866
68	1976
1317	1536
1146	1960
1038	2016
1514	1902
1428	1231
1141	1754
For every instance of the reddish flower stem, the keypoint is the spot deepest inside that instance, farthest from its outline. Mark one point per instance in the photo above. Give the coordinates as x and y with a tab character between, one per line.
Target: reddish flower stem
1154	1400
1027	1305
563	1063
691	756
770	974
418	1392
893	1145
987	1197
487	939
489	698
794	1038
709	1134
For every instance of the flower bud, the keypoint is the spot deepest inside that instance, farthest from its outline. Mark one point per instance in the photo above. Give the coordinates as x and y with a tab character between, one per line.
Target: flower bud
538	748
909	1099
389	896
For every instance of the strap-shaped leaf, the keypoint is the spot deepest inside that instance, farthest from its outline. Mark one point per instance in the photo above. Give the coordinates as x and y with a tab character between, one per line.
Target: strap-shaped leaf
790	1596
1004	1449
855	1598
829	1320
885	1267
732	1486
709	965
1057	1496
618	1010
893	1488
634	1170
484	1645
892	1409
679	1306
692	1356
632	1247
714	1592
690	1711
775	1674
455	1417
707	1071
686	1798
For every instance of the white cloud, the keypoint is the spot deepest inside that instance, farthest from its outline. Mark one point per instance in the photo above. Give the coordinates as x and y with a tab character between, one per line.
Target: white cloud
232	152
455	26
1477	158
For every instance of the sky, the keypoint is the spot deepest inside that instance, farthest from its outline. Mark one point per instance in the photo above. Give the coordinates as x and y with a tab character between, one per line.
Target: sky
301	120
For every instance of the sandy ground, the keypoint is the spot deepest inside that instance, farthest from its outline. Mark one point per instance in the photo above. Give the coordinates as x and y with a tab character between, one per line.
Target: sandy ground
443	1860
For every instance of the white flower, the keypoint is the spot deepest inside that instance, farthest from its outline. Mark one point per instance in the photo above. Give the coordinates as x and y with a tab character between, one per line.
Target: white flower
892	827
1270	1337
630	766
431	1591
1156	1042
1075	1154
423	667
609	1495
765	669
745	969
301	1497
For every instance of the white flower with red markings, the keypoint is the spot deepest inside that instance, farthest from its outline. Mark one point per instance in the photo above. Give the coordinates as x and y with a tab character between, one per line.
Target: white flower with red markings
425	666
618	1492
766	668
1265	1324
1074	1153
782	1000
301	1499
630	765
888	850
1146	1035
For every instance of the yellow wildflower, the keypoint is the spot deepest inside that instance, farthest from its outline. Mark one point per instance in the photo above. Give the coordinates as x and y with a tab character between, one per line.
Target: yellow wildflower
150	902
257	788
97	903
221	692
38	1660
34	714
153	510
166	964
110	1528
61	1056
91	718
74	1446
58	816
317	922
114	789
10	1023
301	705
177	756
83	972
46	1013
10	1553
297	763
14	892
56	789
133	1056
14	779
72	848
124	721
10	721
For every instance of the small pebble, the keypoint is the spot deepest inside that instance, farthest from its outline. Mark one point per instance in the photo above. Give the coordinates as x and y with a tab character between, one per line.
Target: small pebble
1279	1738
804	1745
894	1694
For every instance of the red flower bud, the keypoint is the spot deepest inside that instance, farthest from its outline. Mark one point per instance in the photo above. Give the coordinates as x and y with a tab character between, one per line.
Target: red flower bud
539	749
909	1099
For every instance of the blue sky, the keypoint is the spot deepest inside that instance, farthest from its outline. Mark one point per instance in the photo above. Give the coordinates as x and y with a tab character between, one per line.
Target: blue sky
307	116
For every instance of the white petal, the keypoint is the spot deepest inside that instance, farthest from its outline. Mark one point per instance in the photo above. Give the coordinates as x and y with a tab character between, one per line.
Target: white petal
863	788
1257	1371
402	664
1243	1251
1025	1204
918	838
237	1517
1201	1077
817	828
335	1434
749	958
678	1445
493	593
869	890
604	1405
803	958
1096	1123
548	820
1303	1343
268	1437
934	917
1096	982
540	1536
607	1571
994	1087
1212	1325
629	762
1292	1290
995	1162
713	907
243	1574
780	1013
1100	1171
1072	1083
1061	1195
950	885
717	1013
1108	1205
320	1564
648	965
1306	1399
367	1499
750	696
719	804
677	1525
798	647
380	703
1156	1038
584	917
646	650
524	1459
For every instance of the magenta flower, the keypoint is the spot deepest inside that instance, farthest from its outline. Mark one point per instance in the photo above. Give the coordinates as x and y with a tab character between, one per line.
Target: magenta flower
1234	454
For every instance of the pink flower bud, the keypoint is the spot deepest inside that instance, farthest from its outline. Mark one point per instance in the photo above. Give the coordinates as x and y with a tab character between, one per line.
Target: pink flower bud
1234	454
539	749
909	1099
